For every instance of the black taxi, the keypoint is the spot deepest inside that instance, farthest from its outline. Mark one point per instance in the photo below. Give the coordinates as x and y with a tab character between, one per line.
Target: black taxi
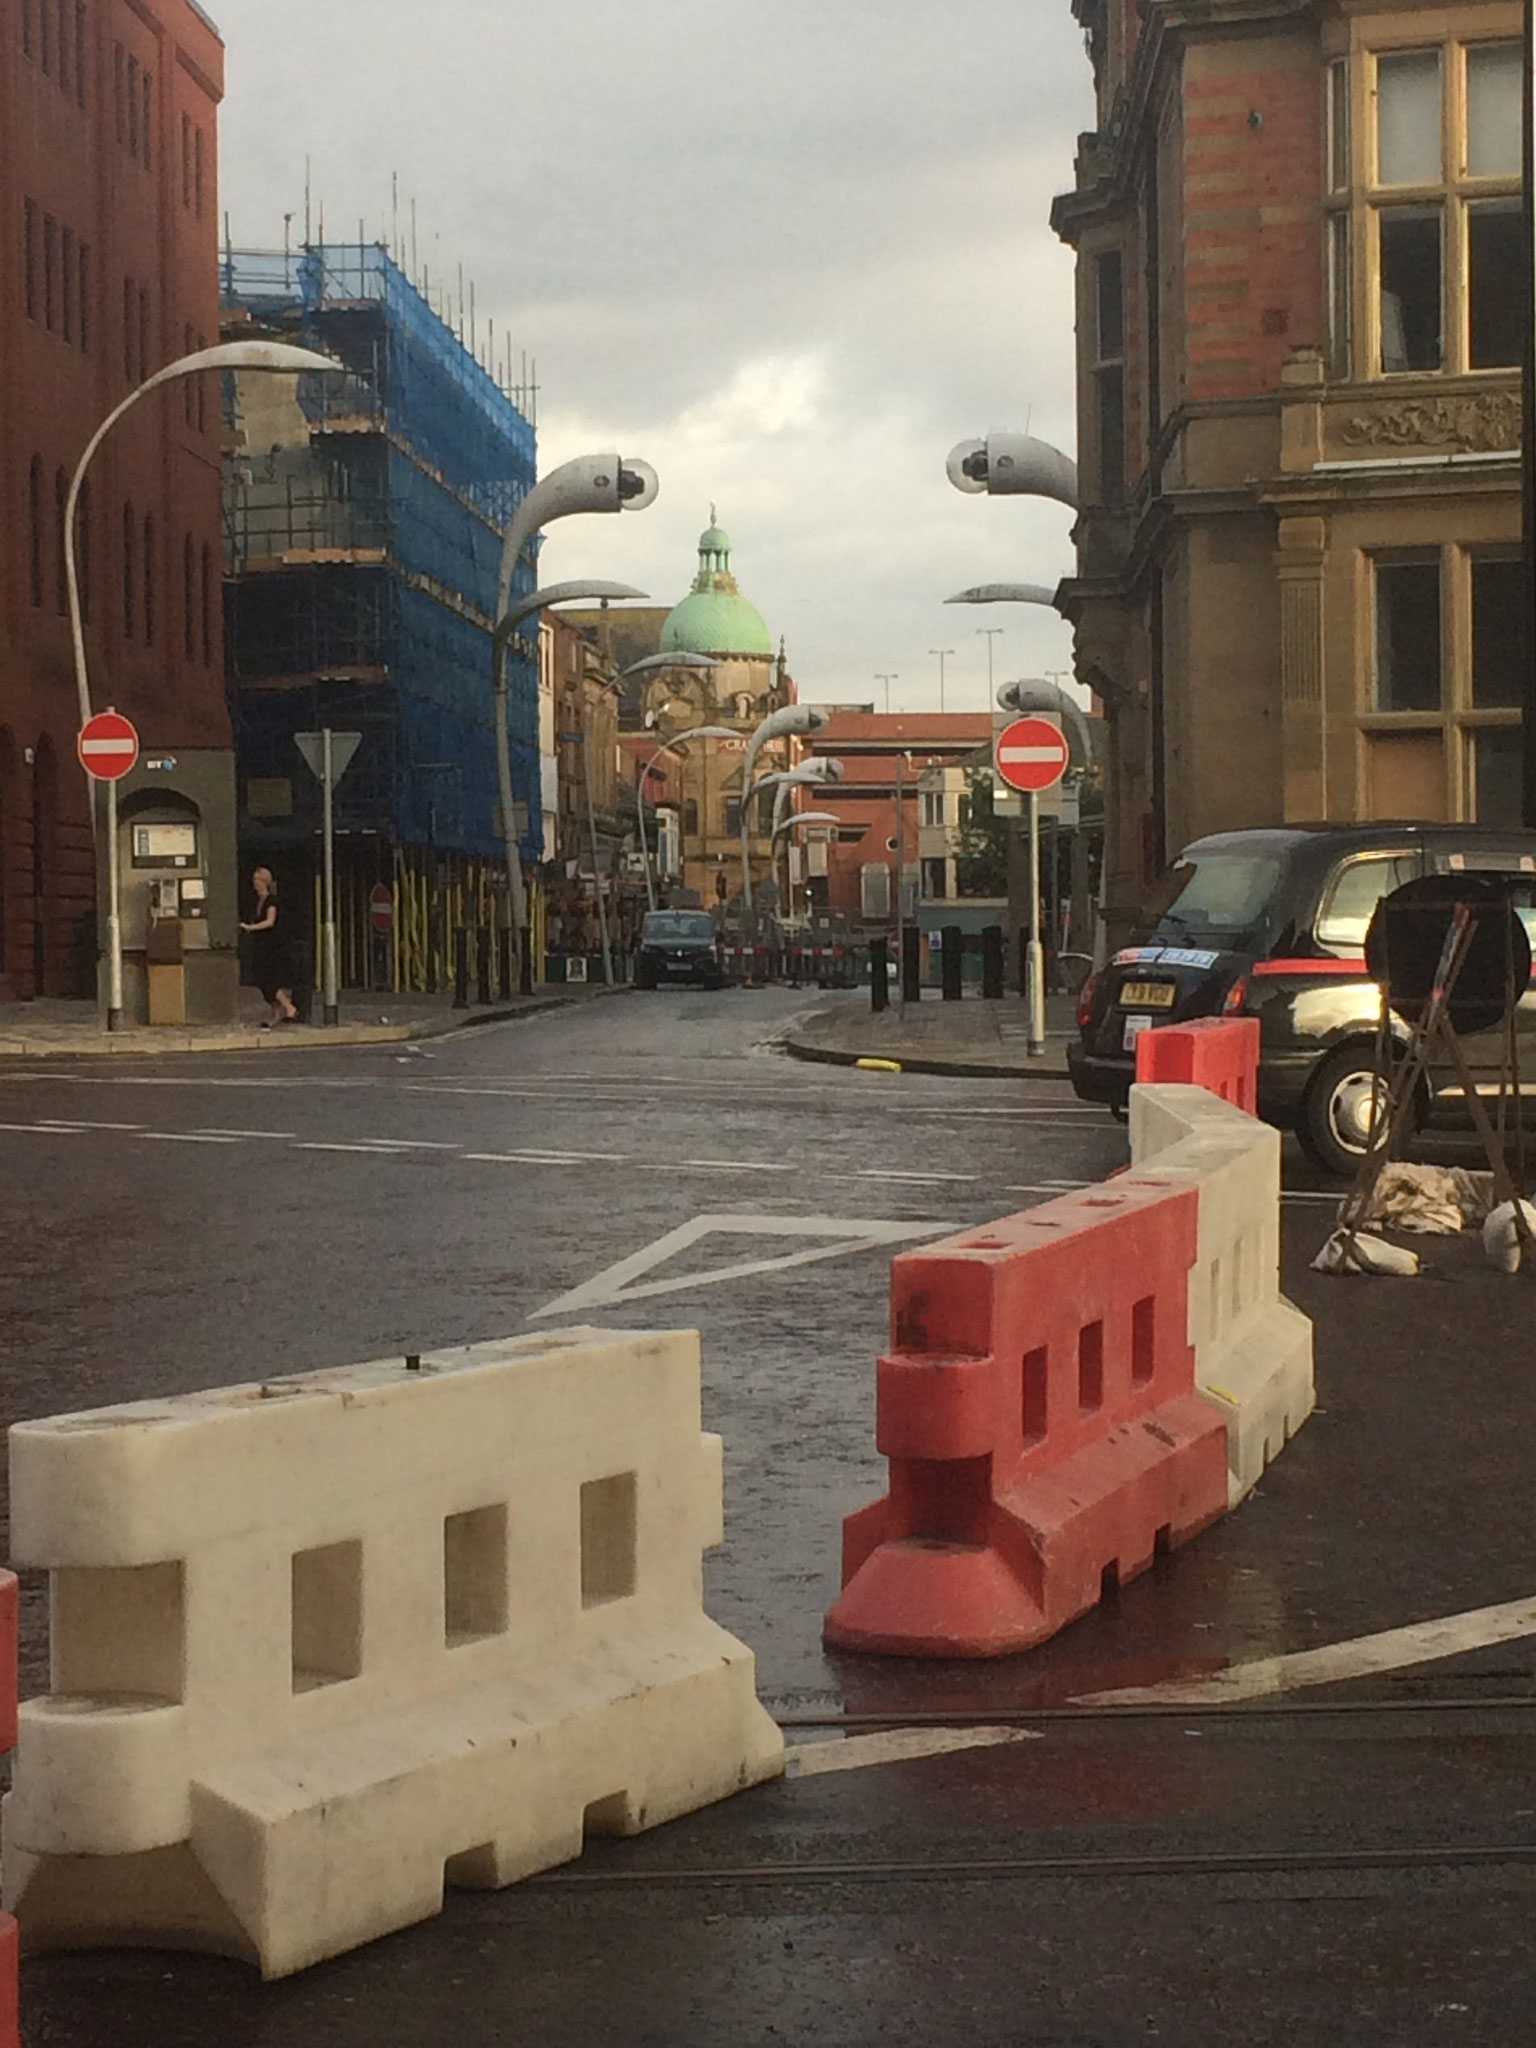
1272	924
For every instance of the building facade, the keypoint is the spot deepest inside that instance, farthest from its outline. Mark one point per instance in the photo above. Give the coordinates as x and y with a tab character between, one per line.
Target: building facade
108	271
364	516
1299	326
880	802
746	682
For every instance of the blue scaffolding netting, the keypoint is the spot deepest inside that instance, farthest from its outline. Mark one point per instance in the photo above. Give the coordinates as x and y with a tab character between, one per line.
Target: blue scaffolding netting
418	459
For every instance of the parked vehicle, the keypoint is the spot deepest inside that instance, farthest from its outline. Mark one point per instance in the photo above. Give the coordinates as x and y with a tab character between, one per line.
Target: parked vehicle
1272	924
678	946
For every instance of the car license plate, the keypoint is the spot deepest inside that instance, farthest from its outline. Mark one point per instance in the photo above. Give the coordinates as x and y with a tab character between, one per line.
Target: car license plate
1147	995
1134	1026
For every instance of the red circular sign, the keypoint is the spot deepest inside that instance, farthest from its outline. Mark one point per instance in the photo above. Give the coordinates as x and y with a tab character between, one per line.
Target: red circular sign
108	746
381	909
1032	754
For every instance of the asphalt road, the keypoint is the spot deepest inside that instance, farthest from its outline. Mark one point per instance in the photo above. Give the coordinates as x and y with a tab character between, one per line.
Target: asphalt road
1366	1874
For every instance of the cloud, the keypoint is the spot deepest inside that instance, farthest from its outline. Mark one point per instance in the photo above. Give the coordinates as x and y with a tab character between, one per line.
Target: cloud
788	250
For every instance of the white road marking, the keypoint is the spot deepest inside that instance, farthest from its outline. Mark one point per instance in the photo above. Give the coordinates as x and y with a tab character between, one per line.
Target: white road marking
75	1123
525	1159
47	1130
896	1173
210	1132
1046	1187
412	1145
617	1283
186	1138
1393	1650
740	1165
894	1746
372	1151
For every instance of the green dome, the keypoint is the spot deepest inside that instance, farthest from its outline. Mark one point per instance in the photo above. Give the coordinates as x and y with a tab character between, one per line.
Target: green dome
714	618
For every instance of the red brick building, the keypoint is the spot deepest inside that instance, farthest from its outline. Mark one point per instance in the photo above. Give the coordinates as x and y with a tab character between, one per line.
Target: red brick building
108	270
1299	321
859	881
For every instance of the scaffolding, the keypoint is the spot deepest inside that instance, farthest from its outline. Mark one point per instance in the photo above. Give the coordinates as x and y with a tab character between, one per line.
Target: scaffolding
363	550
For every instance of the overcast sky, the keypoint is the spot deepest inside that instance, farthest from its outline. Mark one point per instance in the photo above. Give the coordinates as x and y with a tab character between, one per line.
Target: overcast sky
790	251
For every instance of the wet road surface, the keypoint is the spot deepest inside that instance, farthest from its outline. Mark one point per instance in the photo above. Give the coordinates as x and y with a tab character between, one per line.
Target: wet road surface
203	1221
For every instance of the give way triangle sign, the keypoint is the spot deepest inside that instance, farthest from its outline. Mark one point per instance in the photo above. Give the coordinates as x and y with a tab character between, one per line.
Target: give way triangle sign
343	746
624	1282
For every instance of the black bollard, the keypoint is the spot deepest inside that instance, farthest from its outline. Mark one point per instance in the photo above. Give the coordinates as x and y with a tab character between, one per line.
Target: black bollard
461	967
504	965
953	957
879	987
911	964
992	962
483	967
1022	958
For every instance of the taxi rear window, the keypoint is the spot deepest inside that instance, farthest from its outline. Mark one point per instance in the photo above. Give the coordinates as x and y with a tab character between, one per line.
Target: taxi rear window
1218	895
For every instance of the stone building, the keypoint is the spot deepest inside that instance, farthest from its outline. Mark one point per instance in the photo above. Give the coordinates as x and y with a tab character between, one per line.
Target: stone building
748	681
109	271
1299	323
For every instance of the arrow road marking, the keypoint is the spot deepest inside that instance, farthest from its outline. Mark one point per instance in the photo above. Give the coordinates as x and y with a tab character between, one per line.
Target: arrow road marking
1422	1643
622	1282
894	1746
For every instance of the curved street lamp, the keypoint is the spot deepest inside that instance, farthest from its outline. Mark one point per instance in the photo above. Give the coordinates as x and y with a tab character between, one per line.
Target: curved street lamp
694	732
590	483
506	627
788	825
789	718
277	357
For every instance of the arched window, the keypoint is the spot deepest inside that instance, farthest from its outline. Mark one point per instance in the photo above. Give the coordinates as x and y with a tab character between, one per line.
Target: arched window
130	572
189	598
60	542
35	528
149	580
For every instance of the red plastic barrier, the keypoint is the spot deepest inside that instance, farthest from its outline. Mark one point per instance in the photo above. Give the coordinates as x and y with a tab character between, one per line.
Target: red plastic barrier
1039	1413
9	2023
1218	1053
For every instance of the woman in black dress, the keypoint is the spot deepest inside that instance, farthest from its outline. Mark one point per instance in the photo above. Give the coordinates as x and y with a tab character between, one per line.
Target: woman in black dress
269	952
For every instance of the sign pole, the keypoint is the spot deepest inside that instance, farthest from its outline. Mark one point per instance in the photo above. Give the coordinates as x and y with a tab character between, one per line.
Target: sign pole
114	918
901	901
1036	949
332	1011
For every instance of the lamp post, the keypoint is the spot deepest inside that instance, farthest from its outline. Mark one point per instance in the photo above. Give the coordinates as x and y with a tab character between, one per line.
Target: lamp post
654	664
280	359
506	627
694	732
808	775
796	818
888	680
943	653
790	718
991	633
819	771
590	483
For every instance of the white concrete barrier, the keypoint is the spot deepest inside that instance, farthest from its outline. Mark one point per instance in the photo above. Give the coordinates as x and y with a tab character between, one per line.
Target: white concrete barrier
1253	1348
323	1644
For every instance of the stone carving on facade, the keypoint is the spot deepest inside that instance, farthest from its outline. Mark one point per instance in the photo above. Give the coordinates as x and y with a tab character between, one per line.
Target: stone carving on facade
1484	423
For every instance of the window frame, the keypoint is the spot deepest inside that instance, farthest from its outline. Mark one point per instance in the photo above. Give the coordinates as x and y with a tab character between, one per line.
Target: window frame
1351	124
1458	719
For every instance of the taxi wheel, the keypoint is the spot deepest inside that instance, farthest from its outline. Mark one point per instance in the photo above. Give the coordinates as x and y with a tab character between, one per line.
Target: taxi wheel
1335	1122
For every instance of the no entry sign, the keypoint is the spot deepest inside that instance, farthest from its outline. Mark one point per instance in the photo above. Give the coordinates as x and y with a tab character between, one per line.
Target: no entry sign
1032	754
381	909
108	746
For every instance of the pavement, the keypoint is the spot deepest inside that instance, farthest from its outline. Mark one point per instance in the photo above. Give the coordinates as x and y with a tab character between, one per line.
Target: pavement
1352	1863
972	1039
53	1029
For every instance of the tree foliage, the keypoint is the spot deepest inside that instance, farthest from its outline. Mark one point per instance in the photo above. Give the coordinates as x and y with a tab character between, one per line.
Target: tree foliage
981	854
